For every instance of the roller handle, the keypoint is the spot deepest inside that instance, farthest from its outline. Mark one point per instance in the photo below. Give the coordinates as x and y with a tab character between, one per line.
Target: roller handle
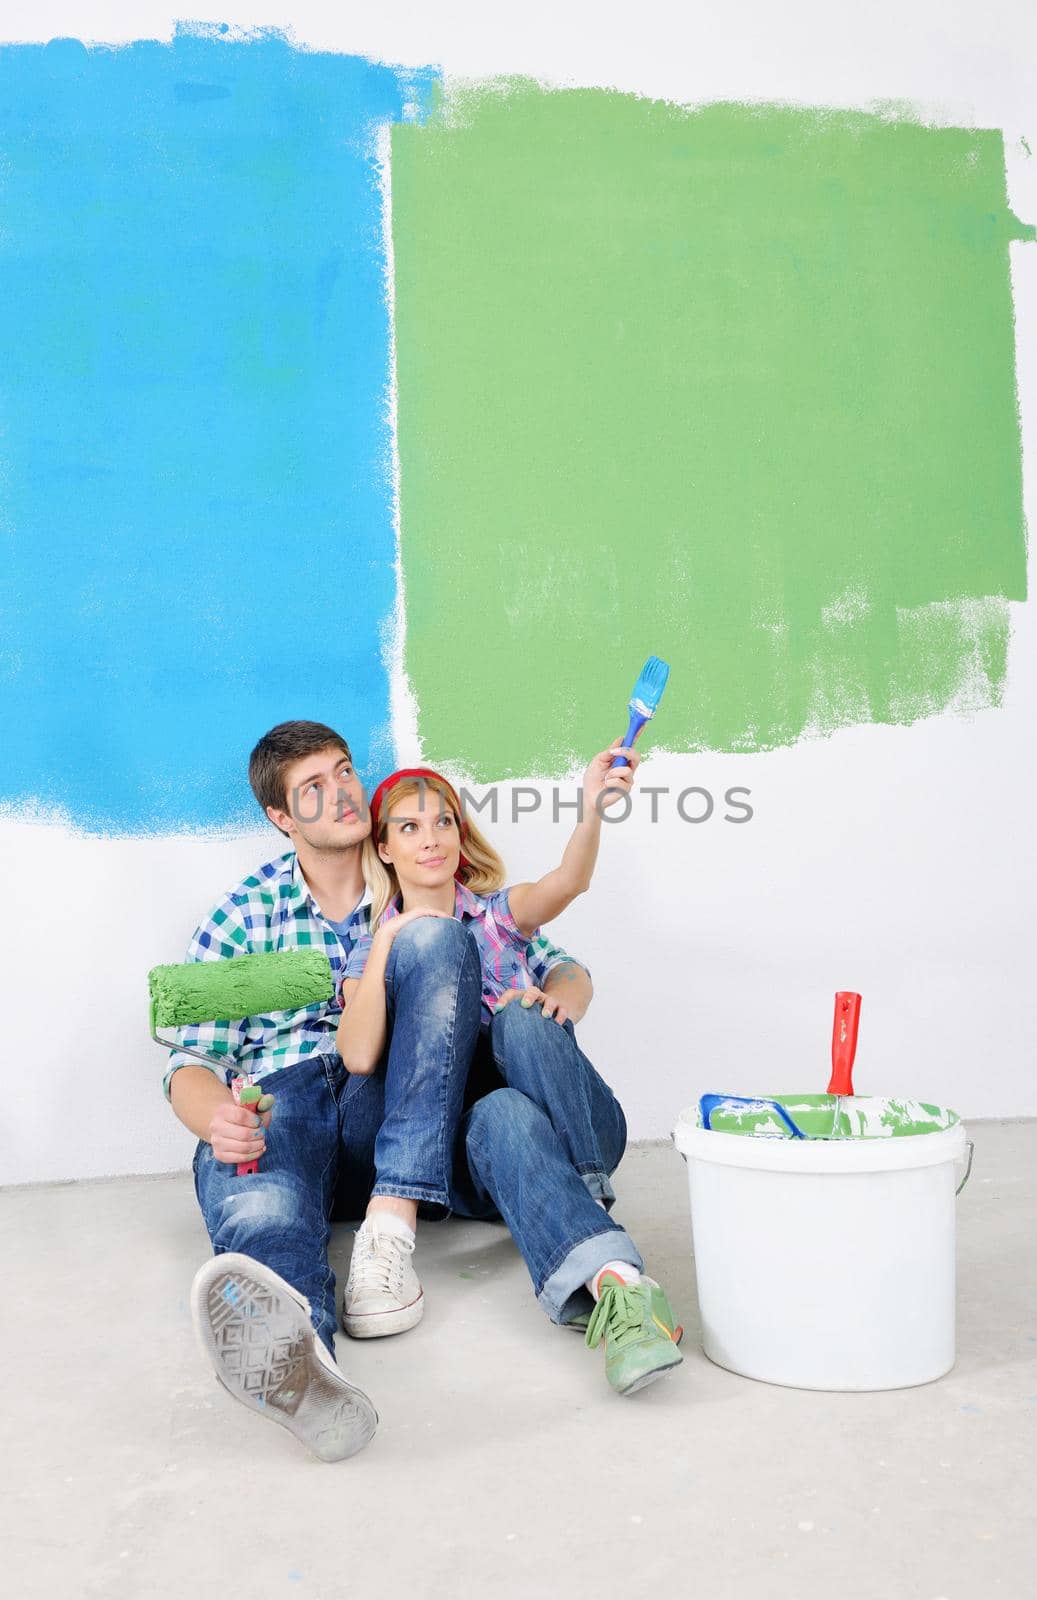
249	1094
844	1041
636	723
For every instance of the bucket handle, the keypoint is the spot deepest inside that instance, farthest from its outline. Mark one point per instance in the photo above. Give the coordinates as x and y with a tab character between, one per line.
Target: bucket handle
968	1169
709	1103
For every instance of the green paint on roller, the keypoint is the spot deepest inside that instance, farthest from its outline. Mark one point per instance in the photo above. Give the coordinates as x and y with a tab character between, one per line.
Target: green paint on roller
244	986
734	384
252	1096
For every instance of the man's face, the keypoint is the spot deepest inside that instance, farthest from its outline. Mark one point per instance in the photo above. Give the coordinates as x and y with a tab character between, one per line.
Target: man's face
324	801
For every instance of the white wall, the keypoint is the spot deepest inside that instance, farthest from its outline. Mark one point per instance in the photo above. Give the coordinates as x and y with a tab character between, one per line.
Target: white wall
895	861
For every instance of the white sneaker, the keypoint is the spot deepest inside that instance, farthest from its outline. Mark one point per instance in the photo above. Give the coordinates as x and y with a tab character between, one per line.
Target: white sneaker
382	1293
256	1331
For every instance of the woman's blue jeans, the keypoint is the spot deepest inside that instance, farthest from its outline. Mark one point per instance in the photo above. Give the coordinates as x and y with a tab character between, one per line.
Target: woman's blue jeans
536	1147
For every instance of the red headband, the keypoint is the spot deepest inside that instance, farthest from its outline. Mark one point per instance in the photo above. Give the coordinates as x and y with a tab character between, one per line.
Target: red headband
375	802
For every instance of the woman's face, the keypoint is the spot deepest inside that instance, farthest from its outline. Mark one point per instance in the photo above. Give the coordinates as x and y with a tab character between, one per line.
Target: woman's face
422	840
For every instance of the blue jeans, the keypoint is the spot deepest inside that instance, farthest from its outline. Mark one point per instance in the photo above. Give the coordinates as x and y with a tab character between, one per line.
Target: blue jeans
534	1151
539	1151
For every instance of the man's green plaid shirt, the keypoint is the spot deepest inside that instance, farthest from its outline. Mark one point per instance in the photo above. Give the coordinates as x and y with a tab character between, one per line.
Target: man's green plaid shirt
274	909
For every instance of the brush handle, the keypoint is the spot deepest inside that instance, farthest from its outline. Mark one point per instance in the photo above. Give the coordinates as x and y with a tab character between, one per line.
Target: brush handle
844	1041
637	722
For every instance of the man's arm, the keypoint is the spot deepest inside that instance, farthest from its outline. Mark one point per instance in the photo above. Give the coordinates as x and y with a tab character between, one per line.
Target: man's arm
199	1094
570	984
560	975
221	936
194	1094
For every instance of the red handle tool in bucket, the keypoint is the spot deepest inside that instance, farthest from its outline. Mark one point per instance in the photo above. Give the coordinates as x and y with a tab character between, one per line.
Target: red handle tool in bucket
844	1042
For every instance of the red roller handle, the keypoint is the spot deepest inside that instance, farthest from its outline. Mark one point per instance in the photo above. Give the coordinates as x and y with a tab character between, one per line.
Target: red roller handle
844	1041
247	1094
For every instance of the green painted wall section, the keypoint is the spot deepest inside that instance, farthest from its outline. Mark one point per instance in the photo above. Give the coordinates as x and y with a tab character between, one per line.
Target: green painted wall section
734	386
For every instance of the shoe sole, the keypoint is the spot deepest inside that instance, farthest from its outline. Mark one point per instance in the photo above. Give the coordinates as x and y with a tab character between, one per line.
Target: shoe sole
379	1324
257	1334
648	1378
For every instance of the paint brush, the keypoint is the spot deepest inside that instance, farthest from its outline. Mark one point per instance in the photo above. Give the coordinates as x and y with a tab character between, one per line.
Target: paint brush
252	1096
644	701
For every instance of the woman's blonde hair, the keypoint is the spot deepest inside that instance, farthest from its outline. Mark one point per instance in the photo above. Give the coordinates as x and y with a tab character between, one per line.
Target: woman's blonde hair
483	873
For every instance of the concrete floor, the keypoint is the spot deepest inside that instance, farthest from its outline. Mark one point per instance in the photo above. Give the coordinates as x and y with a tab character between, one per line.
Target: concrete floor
503	1464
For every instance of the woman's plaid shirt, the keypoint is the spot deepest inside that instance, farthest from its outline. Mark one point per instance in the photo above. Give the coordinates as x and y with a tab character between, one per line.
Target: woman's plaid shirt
274	909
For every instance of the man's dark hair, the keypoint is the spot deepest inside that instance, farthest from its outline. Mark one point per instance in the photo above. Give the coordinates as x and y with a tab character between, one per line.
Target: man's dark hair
276	751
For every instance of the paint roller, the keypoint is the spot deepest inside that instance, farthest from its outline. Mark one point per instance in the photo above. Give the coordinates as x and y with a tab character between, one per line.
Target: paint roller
845	1026
226	991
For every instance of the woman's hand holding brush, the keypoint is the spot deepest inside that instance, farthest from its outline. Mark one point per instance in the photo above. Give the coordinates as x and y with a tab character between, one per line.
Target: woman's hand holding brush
603	784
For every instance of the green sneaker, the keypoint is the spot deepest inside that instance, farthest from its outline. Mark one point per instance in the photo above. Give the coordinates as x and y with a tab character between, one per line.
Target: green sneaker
640	1335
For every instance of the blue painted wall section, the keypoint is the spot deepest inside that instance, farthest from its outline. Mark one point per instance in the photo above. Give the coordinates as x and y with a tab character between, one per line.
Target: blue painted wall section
195	481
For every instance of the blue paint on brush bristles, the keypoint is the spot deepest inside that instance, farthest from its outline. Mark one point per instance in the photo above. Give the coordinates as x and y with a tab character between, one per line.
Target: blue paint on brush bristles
644	701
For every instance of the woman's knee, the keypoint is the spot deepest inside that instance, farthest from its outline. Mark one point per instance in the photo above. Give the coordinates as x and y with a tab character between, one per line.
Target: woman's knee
429	939
531	1049
518	1029
508	1020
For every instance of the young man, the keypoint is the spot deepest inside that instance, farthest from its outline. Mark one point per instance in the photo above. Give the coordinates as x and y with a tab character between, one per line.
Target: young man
264	1305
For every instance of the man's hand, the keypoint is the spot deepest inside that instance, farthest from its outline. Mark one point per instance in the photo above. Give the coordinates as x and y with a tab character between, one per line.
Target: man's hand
236	1133
532	997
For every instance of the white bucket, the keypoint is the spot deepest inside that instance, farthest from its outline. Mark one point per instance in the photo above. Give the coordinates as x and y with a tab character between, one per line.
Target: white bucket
825	1264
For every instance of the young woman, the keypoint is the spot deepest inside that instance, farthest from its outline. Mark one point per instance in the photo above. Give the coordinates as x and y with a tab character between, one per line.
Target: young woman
537	1116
